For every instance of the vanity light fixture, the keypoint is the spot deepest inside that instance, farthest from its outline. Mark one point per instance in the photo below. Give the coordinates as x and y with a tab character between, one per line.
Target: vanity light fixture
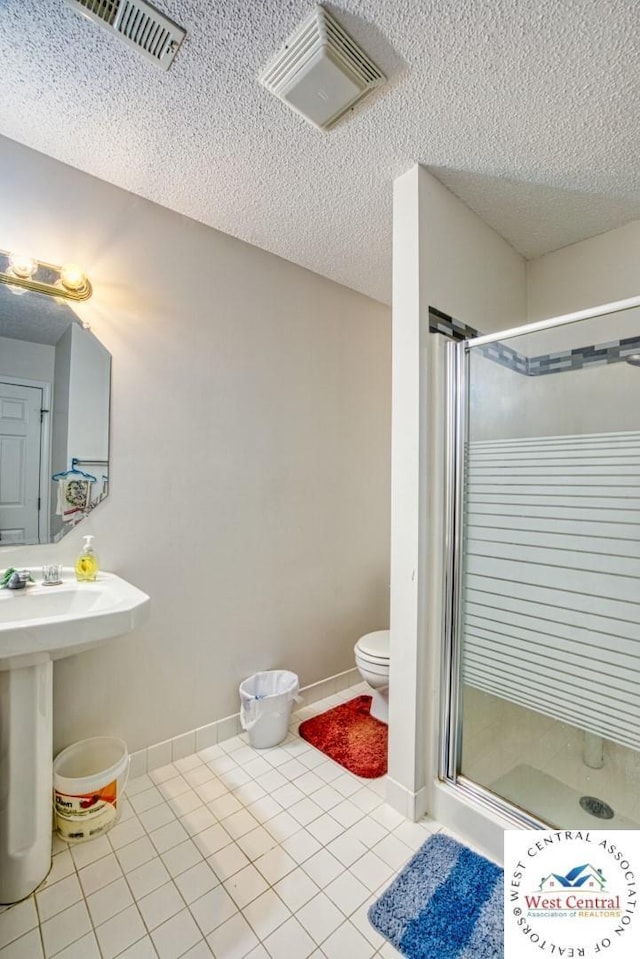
23	272
22	266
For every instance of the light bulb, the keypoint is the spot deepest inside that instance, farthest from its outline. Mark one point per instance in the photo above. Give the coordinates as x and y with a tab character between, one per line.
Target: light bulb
22	266
72	277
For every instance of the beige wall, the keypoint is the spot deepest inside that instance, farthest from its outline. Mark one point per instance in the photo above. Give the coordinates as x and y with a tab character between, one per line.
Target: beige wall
586	274
600	270
594	399
250	450
467	269
29	360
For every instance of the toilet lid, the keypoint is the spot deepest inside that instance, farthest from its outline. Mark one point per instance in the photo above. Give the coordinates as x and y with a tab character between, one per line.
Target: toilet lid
374	646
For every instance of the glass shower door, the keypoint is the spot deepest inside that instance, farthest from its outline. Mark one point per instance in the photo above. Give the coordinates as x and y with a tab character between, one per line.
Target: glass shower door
546	609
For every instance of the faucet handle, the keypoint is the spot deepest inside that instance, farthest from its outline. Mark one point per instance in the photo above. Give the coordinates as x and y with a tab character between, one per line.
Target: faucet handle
15	578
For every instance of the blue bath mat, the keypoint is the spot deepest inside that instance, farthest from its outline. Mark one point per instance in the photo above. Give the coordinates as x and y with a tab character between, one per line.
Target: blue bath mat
447	903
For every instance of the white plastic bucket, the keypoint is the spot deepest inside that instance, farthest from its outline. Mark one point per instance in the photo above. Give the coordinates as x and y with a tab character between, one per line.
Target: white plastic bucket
89	780
265	706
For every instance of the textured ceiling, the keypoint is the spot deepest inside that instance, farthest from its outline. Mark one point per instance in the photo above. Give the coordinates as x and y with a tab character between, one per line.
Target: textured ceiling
526	109
32	316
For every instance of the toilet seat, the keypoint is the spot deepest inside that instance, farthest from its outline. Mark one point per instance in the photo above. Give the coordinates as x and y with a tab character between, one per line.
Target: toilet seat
373	669
373	660
373	648
375	665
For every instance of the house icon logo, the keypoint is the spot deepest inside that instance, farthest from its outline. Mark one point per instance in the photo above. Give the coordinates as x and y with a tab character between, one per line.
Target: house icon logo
586	878
572	892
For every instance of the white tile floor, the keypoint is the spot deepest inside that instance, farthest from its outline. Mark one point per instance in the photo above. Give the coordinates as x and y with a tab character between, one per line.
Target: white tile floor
229	853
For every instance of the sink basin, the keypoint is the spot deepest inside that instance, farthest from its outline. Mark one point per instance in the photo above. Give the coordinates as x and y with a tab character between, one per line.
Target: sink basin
39	623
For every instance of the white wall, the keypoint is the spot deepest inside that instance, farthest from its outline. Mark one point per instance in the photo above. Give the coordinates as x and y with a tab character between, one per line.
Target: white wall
60	425
89	385
596	271
444	256
250	455
33	361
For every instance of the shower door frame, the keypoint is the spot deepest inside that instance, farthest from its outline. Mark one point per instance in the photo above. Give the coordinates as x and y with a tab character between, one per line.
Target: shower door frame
457	423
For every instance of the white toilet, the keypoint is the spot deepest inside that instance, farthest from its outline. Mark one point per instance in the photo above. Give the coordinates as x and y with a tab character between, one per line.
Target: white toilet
372	660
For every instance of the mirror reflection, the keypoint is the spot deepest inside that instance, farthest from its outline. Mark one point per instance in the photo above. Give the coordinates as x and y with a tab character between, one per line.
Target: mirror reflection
54	419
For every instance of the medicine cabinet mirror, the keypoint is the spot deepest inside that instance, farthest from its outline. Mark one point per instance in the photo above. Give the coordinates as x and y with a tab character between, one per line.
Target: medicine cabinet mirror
55	382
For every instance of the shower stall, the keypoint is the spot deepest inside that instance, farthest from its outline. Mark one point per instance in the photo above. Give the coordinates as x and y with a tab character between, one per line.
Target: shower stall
541	671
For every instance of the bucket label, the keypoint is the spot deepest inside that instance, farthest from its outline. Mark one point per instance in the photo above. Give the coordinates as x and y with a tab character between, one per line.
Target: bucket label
86	815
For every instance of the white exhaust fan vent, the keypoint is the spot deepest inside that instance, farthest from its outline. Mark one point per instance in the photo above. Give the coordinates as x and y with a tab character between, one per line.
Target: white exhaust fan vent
321	72
138	23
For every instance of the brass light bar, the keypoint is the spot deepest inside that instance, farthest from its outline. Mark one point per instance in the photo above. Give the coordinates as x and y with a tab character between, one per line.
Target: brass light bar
23	272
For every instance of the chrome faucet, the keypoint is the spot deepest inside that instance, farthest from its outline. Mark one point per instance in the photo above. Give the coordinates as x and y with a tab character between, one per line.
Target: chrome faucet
16	578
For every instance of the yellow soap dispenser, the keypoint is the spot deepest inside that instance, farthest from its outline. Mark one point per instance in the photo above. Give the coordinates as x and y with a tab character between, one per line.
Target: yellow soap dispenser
87	562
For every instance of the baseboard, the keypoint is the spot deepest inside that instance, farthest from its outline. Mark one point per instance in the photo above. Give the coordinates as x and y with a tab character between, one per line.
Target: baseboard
327	687
160	754
411	805
480	827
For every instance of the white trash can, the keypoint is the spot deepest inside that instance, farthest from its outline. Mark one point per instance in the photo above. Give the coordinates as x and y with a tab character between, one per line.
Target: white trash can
89	780
265	706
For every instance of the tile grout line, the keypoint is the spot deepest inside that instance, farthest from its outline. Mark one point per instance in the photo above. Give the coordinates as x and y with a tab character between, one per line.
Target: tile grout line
290	752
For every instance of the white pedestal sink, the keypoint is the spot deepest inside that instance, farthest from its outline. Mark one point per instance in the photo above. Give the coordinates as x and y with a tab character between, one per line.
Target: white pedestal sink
38	625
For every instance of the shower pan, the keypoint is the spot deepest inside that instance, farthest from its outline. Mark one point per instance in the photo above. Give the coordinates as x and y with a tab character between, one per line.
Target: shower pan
541	712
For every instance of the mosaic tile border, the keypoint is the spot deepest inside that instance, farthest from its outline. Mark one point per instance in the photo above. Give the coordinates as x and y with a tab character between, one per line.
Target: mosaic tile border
455	329
440	322
506	356
615	351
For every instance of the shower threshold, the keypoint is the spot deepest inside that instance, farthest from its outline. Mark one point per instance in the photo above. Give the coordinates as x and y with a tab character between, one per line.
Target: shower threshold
554	801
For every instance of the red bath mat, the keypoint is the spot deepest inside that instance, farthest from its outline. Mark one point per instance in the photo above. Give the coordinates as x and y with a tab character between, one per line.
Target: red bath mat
349	735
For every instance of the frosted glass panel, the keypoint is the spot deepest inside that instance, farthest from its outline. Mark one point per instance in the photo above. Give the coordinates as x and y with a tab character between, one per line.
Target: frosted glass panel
550	615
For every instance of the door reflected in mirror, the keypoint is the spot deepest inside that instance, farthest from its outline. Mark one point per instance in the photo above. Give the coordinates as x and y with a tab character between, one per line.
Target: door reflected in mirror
55	381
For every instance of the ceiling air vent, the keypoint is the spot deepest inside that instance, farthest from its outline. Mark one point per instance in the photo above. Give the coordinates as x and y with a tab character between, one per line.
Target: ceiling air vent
321	72
138	23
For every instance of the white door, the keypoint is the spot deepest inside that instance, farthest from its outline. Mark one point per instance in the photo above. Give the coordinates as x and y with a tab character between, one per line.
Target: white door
19	463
